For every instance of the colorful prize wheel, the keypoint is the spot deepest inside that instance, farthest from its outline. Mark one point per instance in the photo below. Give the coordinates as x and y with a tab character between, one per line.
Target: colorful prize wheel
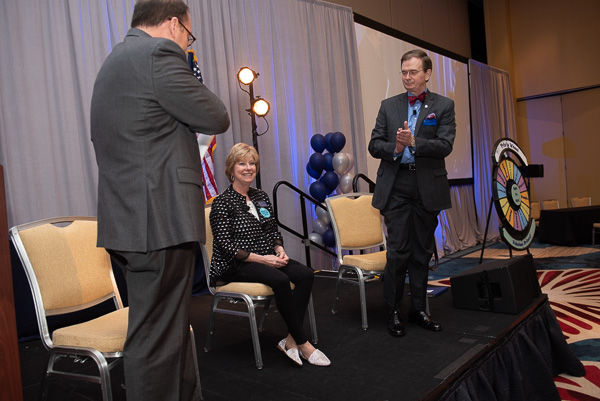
511	195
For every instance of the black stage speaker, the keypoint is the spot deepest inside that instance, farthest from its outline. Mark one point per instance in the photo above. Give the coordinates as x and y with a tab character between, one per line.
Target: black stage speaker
532	170
504	286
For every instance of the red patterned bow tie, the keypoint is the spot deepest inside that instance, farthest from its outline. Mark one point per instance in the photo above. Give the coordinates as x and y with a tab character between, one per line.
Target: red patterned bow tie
413	99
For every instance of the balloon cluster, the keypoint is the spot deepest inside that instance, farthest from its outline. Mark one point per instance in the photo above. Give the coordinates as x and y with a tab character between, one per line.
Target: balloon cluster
331	170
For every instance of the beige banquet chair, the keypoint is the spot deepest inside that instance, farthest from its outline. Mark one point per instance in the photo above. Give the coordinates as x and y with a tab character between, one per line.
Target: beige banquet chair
581	201
252	295
357	226
550	204
68	273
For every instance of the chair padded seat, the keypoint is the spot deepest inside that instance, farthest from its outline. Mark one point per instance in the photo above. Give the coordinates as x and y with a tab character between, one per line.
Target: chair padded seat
369	261
252	289
106	333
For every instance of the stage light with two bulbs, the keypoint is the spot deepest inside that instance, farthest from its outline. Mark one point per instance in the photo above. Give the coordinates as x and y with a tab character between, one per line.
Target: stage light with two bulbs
258	106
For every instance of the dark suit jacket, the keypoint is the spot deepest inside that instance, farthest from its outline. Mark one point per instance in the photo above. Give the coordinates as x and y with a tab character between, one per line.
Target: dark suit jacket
434	137
146	107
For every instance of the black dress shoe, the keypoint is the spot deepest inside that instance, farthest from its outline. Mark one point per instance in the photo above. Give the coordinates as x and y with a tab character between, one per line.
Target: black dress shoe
424	320
395	326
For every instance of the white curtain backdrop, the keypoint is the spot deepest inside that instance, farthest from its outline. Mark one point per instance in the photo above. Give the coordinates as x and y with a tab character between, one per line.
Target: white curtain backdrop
51	54
458	228
304	51
493	117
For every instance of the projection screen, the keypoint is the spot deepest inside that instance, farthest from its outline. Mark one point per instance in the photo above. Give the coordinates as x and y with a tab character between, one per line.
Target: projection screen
379	60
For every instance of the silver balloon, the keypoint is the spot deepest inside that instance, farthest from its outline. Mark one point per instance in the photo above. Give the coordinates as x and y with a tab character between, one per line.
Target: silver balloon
319	226
340	163
350	162
323	215
314	237
346	183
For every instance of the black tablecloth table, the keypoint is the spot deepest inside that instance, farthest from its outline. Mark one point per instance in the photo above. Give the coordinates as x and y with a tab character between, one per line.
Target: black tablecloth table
569	226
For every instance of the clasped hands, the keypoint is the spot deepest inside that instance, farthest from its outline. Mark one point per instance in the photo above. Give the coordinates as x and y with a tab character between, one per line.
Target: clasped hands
278	260
403	138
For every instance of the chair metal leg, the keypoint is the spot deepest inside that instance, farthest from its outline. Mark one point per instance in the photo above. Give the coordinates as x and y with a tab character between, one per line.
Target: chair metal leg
360	281
311	319
363	298
104	375
211	324
263	318
337	290
45	379
251	314
82	354
254	331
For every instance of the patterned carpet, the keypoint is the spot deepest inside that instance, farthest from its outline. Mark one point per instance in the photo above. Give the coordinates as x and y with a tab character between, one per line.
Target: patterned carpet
571	279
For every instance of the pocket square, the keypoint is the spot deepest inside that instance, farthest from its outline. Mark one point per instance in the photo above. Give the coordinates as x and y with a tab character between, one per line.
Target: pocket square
430	119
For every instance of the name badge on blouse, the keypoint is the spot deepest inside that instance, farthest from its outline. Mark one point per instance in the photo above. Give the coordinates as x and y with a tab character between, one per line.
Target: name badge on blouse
265	213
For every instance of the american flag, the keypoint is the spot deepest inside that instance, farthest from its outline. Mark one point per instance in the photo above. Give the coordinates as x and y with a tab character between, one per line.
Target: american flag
206	143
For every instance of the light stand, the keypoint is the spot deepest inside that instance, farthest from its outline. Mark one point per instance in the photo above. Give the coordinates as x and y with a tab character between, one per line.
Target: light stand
258	107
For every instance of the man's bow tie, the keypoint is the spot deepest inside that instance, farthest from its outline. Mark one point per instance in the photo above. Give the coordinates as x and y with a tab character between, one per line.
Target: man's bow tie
413	99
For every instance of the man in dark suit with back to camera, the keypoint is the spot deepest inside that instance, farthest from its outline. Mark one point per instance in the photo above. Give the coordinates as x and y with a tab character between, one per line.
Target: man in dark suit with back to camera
146	107
413	133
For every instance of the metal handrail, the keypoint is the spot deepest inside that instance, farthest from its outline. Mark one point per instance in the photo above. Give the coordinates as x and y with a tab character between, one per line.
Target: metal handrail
304	235
365	178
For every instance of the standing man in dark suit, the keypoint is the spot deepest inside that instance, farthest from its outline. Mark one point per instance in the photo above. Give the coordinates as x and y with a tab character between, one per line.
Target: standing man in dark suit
413	133
146	107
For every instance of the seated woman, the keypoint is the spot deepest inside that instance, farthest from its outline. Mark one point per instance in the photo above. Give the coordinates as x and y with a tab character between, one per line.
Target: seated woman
248	247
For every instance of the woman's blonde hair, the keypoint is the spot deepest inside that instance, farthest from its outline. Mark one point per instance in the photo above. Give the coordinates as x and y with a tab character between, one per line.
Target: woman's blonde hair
239	152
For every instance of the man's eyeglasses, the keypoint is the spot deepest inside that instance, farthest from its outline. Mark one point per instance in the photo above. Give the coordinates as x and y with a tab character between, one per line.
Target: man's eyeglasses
191	38
412	73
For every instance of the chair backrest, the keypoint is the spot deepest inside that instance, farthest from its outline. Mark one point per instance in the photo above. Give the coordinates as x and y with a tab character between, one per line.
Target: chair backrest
535	210
356	223
207	247
66	271
580	201
550	204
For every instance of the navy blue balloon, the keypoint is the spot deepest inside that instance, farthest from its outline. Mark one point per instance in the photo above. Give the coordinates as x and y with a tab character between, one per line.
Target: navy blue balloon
328	157
328	191
337	141
318	191
312	172
318	142
317	162
328	142
331	180
329	238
